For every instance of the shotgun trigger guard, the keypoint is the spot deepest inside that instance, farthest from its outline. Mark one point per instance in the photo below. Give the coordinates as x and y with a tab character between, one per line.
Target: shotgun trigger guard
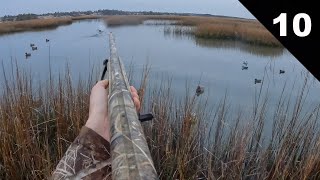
145	117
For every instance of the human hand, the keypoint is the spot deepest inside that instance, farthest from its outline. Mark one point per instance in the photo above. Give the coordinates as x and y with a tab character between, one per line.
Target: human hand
98	110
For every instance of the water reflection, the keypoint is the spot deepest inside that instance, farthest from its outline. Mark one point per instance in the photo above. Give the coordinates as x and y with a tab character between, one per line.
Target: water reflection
248	48
183	32
169	49
187	32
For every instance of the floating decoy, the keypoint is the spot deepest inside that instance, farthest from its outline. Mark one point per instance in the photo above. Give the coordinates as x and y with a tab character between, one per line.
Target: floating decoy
257	81
281	71
199	90
34	48
244	67
47	40
31	45
28	55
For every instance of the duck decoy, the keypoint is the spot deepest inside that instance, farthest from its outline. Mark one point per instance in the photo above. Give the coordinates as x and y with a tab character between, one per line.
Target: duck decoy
244	67
199	90
257	81
47	40
34	48
282	71
28	55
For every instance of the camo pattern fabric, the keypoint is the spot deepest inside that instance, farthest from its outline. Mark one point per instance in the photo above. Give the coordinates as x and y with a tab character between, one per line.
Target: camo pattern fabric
87	157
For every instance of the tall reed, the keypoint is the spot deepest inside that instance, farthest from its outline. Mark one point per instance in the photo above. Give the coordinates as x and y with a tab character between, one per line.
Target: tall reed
189	138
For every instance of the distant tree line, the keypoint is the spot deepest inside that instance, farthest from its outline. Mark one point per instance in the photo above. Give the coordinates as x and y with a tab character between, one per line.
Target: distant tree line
19	17
22	17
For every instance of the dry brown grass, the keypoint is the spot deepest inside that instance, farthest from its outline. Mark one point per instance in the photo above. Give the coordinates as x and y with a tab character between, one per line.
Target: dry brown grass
250	31
40	24
84	17
247	33
119	20
36	24
124	20
38	124
188	138
191	140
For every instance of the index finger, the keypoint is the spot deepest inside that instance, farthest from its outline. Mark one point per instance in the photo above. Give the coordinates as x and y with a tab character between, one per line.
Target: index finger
133	90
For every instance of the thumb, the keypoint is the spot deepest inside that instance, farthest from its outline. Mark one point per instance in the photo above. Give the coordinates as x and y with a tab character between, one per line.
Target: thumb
103	83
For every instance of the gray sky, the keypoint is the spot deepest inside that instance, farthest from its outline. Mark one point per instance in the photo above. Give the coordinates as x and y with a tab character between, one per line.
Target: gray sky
215	7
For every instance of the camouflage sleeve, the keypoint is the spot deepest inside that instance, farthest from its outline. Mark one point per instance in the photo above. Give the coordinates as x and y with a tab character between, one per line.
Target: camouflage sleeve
87	157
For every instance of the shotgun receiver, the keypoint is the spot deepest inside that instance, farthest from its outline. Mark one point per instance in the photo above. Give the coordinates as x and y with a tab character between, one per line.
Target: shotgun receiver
131	158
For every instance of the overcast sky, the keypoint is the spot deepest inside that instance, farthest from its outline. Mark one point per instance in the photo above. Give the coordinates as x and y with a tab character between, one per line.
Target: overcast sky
215	7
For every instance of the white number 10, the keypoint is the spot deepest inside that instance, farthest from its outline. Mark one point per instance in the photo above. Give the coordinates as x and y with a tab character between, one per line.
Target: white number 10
296	24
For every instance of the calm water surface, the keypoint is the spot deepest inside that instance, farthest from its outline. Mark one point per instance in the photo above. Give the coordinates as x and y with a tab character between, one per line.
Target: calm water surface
216	63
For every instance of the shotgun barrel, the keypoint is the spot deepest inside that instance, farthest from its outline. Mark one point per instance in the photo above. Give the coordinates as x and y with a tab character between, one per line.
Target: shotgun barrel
131	158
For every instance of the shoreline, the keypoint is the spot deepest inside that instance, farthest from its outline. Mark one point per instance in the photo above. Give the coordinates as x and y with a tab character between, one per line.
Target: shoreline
11	27
245	30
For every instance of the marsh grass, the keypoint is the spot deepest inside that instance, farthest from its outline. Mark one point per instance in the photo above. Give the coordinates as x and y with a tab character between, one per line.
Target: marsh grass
40	24
189	138
35	24
246	32
84	17
119	20
38	122
250	31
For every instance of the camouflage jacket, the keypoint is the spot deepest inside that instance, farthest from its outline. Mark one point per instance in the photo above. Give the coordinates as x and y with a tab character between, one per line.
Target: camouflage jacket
87	157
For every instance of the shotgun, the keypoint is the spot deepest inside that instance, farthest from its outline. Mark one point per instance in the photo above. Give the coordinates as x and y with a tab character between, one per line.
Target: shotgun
131	158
